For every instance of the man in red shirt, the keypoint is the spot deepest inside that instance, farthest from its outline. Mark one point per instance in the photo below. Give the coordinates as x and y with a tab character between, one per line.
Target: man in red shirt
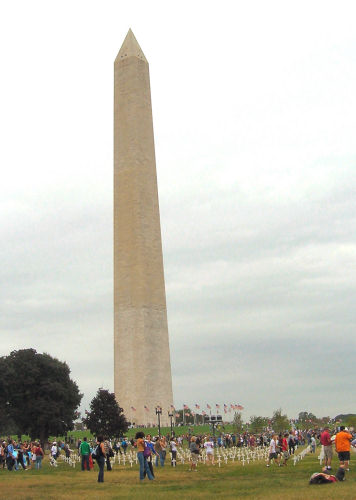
325	440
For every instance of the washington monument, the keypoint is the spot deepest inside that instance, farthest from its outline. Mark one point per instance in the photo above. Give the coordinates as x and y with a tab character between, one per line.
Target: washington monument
142	368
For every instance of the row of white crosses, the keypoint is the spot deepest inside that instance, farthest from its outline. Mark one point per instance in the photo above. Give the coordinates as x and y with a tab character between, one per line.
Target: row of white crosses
71	460
222	455
301	455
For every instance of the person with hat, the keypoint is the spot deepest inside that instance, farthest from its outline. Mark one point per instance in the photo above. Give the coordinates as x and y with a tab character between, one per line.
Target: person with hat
325	441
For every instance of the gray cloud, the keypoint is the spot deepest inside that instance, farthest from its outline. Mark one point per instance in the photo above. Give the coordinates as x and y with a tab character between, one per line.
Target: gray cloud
256	168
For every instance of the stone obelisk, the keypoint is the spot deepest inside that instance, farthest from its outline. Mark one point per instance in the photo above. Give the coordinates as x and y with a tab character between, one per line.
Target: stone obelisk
142	368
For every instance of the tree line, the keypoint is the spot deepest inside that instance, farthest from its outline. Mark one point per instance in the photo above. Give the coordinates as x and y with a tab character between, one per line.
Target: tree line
38	398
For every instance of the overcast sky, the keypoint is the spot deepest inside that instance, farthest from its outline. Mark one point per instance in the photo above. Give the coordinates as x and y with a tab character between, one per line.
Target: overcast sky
254	114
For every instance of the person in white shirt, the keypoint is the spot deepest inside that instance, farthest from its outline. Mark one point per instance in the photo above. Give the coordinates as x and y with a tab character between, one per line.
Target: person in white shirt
209	447
272	451
173	447
54	452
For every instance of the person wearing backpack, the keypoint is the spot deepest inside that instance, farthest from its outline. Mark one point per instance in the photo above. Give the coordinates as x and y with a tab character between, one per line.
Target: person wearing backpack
100	456
142	452
39	455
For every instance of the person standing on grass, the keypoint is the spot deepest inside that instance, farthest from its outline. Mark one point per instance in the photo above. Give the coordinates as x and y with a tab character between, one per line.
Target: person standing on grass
158	450
273	451
284	447
2	455
100	458
150	450
327	444
194	452
140	446
164	450
343	445
173	447
10	461
291	443
84	451
209	448
313	444
39	455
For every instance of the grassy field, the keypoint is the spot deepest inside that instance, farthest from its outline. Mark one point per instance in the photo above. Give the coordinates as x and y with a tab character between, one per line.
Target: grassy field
233	480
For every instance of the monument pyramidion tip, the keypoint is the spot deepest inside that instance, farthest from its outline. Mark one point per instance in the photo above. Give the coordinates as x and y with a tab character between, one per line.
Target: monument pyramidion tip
130	48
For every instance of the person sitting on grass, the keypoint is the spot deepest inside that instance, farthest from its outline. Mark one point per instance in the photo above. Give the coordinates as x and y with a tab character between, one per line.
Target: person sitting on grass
273	451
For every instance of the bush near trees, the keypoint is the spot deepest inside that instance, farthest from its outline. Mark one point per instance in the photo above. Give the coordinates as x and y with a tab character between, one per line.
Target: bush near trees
258	424
279	421
105	417
237	423
37	396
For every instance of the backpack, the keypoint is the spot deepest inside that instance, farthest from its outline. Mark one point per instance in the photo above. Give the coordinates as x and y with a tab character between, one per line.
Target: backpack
97	452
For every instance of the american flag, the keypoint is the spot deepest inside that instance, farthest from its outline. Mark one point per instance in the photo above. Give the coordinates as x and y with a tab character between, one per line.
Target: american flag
133	409
208	406
197	406
146	408
185	407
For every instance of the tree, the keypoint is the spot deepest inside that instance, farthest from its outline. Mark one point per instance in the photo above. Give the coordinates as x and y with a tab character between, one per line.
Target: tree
351	421
105	418
38	394
306	420
188	418
237	423
258	424
280	422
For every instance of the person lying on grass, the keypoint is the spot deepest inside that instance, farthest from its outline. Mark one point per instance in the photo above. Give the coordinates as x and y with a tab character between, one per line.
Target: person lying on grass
323	478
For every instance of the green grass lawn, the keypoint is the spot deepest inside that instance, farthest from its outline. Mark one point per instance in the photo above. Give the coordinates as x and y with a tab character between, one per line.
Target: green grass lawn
233	480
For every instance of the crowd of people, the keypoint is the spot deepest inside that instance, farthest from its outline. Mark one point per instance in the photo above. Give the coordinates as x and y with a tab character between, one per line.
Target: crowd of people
154	451
15	455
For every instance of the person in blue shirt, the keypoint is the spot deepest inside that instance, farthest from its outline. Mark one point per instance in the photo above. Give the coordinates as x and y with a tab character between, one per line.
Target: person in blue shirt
150	445
10	461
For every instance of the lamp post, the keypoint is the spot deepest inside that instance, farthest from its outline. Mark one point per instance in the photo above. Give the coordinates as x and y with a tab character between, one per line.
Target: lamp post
159	413
170	414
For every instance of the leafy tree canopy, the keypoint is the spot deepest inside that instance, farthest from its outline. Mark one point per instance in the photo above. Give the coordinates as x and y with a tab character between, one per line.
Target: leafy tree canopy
105	417
279	421
237	422
258	424
38	394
